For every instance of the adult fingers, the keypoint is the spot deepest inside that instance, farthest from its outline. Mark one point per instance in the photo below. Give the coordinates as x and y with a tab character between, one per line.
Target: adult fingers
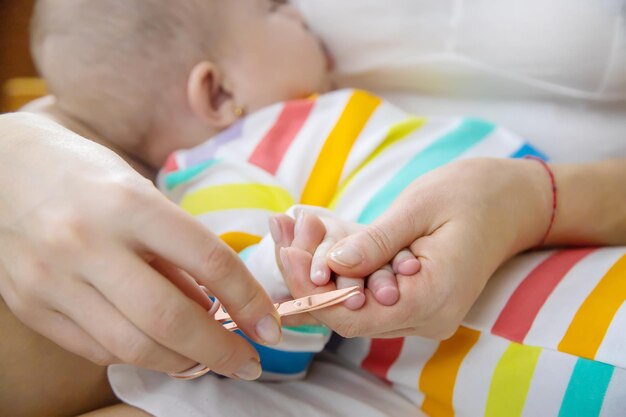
184	282
372	318
87	308
214	265
362	253
64	332
165	314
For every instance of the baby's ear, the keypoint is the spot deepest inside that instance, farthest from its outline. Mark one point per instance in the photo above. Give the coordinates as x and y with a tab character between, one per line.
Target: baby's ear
209	97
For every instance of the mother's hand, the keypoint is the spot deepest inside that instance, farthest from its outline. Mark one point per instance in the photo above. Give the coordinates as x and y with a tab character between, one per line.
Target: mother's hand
93	257
462	221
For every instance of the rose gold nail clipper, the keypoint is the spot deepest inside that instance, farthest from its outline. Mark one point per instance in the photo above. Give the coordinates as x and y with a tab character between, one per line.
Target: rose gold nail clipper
287	308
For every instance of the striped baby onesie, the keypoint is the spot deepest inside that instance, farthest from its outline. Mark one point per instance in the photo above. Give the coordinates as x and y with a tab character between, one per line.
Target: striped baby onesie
353	153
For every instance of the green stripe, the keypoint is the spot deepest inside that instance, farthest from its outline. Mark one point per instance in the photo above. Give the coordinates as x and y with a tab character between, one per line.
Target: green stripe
178	177
586	389
397	132
511	381
308	329
442	151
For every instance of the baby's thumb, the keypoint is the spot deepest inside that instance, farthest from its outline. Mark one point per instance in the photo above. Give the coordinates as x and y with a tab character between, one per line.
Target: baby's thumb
362	253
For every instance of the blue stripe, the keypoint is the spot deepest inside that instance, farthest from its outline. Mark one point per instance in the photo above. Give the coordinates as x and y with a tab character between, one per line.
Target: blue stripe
281	361
586	389
527	150
442	151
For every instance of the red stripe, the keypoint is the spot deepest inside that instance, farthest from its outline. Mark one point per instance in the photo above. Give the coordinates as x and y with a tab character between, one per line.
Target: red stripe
271	150
170	163
520	311
383	353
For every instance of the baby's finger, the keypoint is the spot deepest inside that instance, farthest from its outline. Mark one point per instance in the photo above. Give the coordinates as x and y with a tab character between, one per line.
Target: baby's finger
320	271
384	286
355	302
282	230
309	232
405	263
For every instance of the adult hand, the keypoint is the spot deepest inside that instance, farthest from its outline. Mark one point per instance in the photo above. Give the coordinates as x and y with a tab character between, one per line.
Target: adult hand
317	230
93	257
461	221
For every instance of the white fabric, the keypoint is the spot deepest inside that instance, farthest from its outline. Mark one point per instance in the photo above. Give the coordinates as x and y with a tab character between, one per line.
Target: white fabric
553	71
330	389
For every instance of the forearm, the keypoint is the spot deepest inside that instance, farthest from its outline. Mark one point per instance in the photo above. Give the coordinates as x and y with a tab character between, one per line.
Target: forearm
591	203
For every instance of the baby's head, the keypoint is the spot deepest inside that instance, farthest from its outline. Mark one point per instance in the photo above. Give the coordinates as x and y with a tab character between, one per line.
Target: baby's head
168	74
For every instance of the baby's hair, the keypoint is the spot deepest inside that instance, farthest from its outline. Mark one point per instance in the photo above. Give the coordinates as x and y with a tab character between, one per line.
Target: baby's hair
124	58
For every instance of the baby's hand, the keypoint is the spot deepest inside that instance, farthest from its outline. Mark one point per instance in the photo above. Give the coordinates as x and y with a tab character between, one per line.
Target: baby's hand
316	230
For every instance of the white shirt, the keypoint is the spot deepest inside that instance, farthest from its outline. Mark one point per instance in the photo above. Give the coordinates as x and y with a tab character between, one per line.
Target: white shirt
551	70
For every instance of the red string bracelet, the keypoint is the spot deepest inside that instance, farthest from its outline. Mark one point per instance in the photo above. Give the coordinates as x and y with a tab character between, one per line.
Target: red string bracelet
553	184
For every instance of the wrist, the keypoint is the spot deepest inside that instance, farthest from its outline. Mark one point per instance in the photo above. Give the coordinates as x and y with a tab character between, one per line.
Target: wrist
536	211
592	200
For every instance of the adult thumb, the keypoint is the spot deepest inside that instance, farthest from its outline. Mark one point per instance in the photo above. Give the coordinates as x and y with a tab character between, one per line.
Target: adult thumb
362	253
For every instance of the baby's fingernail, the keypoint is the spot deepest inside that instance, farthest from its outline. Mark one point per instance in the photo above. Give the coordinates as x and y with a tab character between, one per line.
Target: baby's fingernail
387	296
409	267
268	330
319	277
250	370
355	302
275	231
346	256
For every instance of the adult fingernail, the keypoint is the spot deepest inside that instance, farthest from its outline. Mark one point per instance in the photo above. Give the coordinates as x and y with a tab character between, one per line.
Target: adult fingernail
268	329
346	256
249	371
275	231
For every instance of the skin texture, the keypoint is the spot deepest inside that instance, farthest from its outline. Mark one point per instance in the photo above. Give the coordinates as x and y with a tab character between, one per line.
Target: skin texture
64	273
462	221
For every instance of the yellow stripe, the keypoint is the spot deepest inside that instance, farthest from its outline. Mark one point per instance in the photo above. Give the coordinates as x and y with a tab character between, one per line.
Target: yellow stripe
439	374
591	322
396	133
237	196
239	240
324	177
511	381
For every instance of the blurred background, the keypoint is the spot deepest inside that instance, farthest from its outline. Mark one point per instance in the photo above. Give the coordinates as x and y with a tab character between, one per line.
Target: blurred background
16	67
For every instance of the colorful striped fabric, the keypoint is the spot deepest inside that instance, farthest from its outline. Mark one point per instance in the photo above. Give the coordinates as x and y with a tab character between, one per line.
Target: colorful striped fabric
547	336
